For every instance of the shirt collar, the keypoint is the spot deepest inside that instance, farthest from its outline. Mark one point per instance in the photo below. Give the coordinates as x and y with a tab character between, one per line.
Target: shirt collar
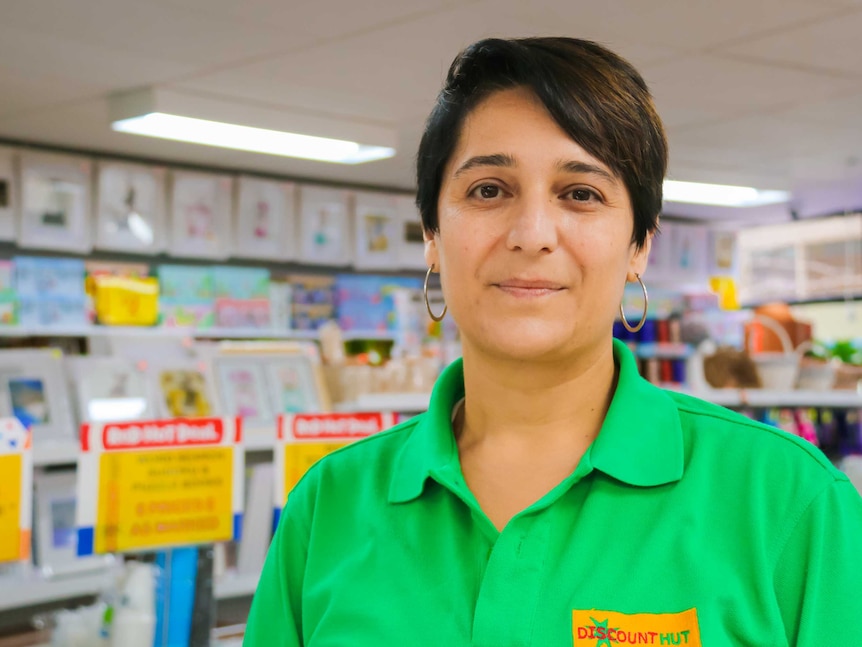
640	442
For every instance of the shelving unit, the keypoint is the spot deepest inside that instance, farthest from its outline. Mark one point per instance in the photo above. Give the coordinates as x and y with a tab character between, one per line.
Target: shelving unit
34	591
235	586
401	402
209	333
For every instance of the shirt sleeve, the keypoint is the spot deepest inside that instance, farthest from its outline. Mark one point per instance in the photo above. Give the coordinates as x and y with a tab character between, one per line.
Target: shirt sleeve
275	618
819	569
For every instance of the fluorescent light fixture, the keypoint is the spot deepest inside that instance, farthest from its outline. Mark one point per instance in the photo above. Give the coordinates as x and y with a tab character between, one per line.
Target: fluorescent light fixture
723	195
216	122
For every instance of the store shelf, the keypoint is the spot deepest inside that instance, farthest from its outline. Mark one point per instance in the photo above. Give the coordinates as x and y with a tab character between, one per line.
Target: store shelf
55	452
16	594
233	585
769	398
212	333
662	350
398	402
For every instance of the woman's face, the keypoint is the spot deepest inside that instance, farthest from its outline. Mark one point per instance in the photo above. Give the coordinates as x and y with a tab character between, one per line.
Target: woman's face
534	247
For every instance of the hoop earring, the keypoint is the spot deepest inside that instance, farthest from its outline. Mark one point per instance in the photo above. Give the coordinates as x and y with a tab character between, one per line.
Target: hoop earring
640	325
427	304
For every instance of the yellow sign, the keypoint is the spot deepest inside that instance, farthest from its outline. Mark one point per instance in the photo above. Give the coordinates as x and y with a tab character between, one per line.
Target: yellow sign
153	498
10	507
300	457
593	628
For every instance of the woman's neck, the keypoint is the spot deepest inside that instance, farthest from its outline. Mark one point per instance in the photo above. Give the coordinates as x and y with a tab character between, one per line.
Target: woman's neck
534	405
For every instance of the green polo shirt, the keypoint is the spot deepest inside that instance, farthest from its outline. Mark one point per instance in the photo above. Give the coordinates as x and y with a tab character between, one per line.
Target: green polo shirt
683	524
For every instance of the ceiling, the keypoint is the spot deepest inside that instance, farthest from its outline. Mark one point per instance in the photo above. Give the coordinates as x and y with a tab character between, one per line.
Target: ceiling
764	93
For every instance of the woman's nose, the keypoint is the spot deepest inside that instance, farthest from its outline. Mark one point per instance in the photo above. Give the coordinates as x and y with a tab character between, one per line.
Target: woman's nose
533	226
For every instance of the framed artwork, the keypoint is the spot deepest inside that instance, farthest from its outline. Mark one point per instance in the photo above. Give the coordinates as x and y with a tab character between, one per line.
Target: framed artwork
690	251
110	389
265	222
376	223
131	207
8	194
722	253
55	202
324	226
411	244
660	253
242	387
184	391
296	384
201	205
55	531
33	389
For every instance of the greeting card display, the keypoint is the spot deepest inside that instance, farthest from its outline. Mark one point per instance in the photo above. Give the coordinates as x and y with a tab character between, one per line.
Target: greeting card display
324	226
723	253
201	206
376	224
131	207
110	389
33	390
265	223
661	252
55	202
411	244
8	196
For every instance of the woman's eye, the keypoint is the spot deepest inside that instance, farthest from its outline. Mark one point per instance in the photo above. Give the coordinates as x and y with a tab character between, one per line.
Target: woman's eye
488	191
583	195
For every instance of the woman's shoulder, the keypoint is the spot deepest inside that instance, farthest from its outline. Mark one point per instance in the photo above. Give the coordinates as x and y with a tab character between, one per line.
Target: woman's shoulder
718	429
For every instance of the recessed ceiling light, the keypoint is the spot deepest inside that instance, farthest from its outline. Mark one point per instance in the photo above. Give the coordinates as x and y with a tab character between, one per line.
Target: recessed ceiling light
216	122
724	195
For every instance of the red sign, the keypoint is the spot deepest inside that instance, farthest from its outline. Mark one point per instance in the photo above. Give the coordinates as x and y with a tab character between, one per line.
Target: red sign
338	425
180	432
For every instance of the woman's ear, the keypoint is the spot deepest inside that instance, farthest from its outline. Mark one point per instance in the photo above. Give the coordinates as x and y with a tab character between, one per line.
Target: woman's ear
639	260
432	256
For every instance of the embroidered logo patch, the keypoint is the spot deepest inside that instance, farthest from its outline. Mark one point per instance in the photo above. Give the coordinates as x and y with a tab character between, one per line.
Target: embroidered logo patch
595	628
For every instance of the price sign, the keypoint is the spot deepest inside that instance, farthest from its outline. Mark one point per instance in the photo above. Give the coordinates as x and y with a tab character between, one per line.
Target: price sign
303	439
149	484
16	487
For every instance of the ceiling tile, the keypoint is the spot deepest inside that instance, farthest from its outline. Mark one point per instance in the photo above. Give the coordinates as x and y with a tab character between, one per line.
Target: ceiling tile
149	29
829	45
702	89
694	25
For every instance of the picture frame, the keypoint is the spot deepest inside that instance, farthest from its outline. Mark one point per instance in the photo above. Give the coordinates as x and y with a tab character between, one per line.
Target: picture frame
690	251
34	390
723	253
8	195
292	373
242	388
55	532
661	250
110	389
411	243
201	206
131	207
376	223
183	389
296	382
325	231
265	219
55	202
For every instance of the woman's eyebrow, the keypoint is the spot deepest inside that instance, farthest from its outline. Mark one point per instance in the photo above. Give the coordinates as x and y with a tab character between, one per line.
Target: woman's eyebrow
574	166
498	159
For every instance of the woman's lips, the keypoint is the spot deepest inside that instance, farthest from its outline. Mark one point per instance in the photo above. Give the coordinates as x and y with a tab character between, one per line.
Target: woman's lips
529	287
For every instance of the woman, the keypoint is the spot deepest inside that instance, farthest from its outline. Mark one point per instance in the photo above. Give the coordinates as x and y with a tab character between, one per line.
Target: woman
550	496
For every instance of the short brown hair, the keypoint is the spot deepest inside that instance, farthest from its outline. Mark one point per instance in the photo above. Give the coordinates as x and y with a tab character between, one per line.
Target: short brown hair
596	97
